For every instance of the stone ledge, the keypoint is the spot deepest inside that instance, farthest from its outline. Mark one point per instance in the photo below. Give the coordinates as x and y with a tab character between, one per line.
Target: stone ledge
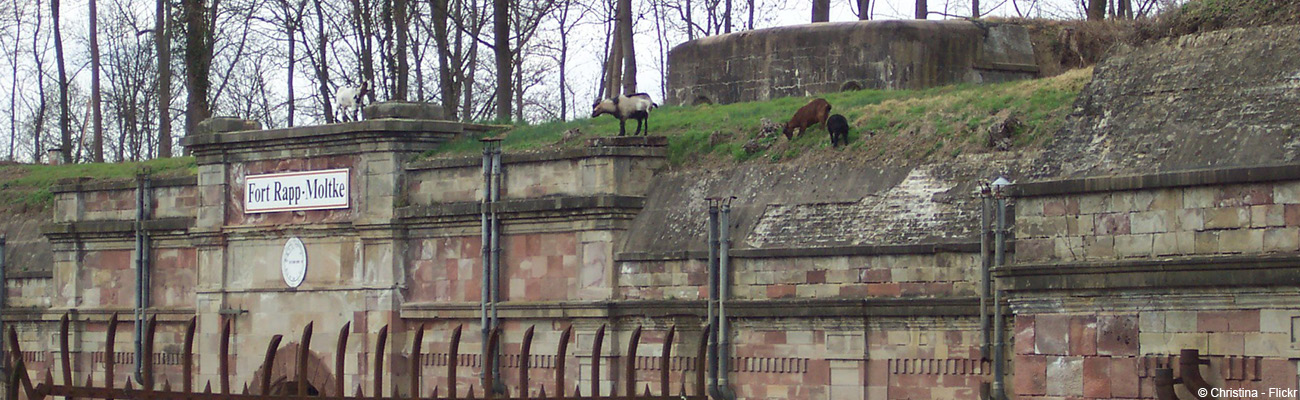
105	227
34	274
541	156
798	308
523	205
11	314
91	185
628	141
1201	177
792	252
1223	271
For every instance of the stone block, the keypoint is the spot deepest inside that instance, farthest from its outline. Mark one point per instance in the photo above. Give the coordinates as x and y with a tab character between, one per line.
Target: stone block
1179	321
1065	376
1190	219
1112	224
1151	222
1276	321
1122	202
1030	377
1117	335
1096	377
1269	345
1243	321
1124	377
1267	215
1131	246
1051	334
1231	344
1083	335
628	141
1060	206
1200	197
1165	244
1212	321
1286	192
1227	217
1244	195
1098	247
1206	242
227	124
1291	215
1034	250
1094	203
1241	241
1277	240
1167	199
1068	248
1024	339
403	110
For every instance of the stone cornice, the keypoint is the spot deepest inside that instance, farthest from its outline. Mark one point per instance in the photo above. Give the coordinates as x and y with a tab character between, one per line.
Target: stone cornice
795	308
1175	272
541	156
391	135
1200	177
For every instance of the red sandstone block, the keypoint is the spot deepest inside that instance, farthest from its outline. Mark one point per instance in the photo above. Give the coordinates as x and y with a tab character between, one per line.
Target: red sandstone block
884	289
1030	376
1277	373
1024	339
1244	195
878	275
1124	380
1083	335
818	276
1051	334
855	291
780	291
1096	377
1291	215
1112	224
819	373
1212	321
1117	335
1243	321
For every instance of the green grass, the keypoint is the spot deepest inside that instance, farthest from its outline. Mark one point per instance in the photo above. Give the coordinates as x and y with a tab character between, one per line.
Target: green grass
27	187
915	124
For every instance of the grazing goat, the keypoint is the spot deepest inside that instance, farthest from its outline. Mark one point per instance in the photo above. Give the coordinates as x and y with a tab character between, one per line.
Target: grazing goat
349	100
838	126
636	106
815	112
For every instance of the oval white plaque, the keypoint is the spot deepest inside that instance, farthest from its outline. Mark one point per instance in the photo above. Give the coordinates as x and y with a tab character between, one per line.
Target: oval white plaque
293	262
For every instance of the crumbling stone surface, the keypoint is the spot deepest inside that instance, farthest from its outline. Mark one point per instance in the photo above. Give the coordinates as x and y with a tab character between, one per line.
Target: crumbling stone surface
403	110
1220	99
805	60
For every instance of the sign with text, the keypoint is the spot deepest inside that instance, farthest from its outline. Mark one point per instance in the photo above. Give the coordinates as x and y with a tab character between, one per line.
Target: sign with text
296	191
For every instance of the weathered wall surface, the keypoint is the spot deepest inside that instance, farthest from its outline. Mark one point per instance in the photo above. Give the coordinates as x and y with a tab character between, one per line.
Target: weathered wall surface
1219	99
805	60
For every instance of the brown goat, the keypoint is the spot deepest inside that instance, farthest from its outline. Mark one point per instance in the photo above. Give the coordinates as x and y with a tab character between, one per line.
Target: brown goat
815	112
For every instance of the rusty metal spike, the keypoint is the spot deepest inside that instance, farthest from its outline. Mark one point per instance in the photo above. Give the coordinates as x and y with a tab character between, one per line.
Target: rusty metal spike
245	392
267	362
49	377
665	360
223	371
682	393
167	385
207	387
577	390
435	392
490	362
595	361
151	331
542	393
15	349
701	356
90	380
359	394
379	361
415	362
524	353
340	352
187	357
632	344
647	390
65	356
453	358
560	355
304	348
129	385
471	393
109	352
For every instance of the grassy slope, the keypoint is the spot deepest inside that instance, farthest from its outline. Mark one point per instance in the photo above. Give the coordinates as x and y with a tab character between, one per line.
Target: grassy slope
27	187
907	124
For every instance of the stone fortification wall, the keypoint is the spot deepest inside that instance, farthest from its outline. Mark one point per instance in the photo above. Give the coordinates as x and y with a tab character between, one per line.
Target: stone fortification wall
806	60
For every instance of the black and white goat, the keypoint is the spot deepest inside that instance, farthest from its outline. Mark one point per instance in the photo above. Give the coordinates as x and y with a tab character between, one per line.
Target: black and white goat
636	106
350	100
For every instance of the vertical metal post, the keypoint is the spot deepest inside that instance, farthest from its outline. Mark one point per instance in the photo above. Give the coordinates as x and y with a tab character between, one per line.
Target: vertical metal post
141	271
724	290
985	264
4	371
485	246
713	297
496	263
999	258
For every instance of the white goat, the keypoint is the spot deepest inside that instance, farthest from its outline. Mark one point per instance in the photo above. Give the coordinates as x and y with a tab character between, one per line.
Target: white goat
349	100
636	106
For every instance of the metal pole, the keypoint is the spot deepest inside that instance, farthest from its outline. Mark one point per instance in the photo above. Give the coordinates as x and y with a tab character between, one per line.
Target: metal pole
724	275
713	296
985	263
496	264
3	360
141	271
999	256
486	249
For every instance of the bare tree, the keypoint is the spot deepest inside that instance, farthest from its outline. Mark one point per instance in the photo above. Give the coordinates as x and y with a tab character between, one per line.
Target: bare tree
38	128
629	51
162	44
97	152
922	10
821	10
199	20
13	85
1096	10
65	131
501	47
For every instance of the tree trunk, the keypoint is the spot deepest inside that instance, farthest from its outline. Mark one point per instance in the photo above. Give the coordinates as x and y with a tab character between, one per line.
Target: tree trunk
402	25
974	8
65	131
629	51
1096	10
726	16
322	67
690	23
98	116
751	15
922	10
162	45
198	64
39	129
864	9
13	94
289	30
501	44
821	11
446	84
